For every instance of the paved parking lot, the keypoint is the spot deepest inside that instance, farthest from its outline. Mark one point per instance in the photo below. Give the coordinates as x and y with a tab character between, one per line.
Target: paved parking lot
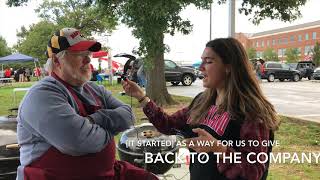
298	99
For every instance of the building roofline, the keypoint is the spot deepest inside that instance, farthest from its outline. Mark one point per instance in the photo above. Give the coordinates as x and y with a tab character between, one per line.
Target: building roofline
286	29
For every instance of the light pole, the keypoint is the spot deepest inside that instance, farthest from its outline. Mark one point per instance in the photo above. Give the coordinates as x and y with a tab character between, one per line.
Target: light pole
210	37
232	7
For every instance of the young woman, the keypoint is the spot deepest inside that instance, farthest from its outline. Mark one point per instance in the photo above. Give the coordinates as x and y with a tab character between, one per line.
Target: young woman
232	108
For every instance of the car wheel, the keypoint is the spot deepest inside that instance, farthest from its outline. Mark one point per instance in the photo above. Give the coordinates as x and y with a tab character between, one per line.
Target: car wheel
296	77
187	80
281	79
175	83
270	78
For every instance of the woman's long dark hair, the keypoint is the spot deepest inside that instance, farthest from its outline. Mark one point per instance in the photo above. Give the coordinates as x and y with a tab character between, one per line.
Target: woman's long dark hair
243	96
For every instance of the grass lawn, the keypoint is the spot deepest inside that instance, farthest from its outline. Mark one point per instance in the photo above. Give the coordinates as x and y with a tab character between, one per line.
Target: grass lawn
294	135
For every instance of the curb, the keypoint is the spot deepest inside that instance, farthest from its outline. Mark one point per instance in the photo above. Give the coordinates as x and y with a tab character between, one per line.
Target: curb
315	81
301	118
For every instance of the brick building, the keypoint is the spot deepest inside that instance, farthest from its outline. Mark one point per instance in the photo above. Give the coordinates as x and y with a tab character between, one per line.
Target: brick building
303	37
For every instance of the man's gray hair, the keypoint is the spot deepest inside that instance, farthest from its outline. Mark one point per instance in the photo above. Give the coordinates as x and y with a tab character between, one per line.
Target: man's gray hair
49	66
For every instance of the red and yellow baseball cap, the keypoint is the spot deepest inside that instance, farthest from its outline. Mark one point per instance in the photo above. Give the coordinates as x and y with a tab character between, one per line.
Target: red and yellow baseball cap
70	39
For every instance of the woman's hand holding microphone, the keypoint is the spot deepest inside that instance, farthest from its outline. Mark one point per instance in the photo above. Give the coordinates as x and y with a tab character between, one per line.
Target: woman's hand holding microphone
133	89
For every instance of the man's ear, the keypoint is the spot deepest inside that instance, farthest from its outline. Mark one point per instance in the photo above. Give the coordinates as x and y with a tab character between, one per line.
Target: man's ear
55	59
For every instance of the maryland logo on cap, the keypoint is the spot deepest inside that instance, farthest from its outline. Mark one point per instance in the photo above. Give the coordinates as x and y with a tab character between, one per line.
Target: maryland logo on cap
70	39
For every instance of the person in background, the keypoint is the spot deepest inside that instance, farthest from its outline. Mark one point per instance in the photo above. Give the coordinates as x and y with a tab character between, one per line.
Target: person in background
258	70
7	73
20	74
37	72
66	124
231	108
27	74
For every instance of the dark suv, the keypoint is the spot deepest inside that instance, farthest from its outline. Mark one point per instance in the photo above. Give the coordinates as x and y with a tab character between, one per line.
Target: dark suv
173	73
281	71
306	68
176	74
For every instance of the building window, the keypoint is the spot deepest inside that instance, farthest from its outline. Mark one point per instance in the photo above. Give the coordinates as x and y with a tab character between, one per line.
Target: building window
299	38
273	42
308	50
285	41
279	52
291	38
307	36
314	35
268	43
262	43
257	44
279	41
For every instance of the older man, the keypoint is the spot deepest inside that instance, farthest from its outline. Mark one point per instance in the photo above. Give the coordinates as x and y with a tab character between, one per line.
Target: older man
66	125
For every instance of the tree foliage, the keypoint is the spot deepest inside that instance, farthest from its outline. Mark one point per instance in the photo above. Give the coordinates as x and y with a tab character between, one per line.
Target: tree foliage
33	42
4	49
292	55
78	14
270	55
252	53
316	54
56	15
152	19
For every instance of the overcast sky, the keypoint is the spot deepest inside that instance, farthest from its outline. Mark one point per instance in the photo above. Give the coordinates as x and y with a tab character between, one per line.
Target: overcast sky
183	47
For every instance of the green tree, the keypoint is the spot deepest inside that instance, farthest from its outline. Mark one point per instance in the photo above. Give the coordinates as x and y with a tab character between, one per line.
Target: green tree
79	14
4	49
252	53
316	54
270	55
55	15
151	19
292	55
33	42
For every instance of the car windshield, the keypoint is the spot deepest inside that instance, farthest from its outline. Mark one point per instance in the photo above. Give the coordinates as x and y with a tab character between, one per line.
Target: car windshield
317	70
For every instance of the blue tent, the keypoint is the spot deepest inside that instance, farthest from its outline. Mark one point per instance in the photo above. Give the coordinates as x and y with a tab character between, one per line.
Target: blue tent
14	58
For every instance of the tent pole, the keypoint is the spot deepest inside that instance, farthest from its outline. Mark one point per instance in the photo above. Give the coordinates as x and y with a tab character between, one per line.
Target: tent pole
35	65
110	67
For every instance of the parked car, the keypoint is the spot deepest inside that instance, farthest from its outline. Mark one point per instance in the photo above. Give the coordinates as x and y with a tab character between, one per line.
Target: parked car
176	74
173	73
316	74
276	70
306	68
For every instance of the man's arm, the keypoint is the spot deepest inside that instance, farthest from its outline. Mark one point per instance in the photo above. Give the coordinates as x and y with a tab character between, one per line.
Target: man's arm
116	116
46	110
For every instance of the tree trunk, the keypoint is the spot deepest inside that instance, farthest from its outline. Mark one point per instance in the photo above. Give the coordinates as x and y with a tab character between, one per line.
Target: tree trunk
156	84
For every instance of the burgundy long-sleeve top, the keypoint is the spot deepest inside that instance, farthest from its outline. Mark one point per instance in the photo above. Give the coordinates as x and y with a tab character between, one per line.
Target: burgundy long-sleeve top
249	130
